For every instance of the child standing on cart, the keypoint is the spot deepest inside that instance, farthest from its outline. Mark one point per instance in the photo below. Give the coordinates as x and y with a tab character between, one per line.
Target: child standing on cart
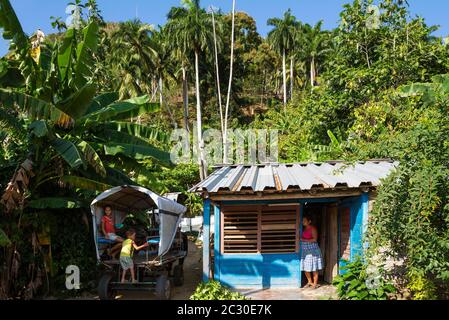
126	255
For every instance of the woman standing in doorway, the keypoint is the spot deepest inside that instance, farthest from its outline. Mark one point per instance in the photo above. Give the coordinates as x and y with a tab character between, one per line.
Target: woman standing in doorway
311	261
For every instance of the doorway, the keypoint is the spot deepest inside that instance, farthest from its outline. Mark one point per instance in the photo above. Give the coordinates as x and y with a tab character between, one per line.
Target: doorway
326	218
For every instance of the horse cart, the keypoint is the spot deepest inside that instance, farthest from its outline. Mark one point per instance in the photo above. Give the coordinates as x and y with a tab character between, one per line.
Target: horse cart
157	267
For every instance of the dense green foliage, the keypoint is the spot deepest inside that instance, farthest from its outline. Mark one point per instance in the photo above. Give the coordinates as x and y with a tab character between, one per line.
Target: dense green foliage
214	290
354	284
78	114
412	217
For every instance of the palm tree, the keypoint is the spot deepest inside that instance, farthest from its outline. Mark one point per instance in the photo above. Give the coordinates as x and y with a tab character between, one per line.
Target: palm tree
191	29
314	48
162	67
225	134
282	39
132	58
217	70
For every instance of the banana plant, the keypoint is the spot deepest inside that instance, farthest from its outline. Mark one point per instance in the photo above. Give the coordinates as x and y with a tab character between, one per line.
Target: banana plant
76	136
429	92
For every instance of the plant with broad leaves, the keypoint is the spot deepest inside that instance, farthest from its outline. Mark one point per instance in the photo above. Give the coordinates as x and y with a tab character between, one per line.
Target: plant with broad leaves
214	290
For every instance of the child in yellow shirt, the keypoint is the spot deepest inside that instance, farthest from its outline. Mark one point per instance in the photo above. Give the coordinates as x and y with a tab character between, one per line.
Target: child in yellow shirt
126	255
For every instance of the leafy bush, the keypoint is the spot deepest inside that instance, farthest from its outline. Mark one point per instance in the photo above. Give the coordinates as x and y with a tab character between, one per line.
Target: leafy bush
422	288
213	290
356	284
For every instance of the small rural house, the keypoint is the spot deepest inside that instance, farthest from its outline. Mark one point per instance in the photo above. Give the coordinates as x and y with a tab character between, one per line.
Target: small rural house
257	212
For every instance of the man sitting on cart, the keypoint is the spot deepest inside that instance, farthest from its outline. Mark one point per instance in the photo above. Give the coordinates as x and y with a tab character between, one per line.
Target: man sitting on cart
109	232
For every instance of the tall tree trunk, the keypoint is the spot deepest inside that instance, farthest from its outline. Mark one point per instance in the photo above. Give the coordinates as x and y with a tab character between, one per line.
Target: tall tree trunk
161	101
225	135
291	78
201	161
284	75
312	72
185	98
217	70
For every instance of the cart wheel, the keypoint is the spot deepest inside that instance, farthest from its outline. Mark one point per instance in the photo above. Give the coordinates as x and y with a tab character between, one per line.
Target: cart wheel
178	275
105	291
163	288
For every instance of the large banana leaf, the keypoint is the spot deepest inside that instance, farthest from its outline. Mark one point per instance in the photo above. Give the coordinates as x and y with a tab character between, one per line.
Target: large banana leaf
85	51
35	108
77	104
102	101
414	89
68	151
12	29
138	130
115	136
65	53
92	157
142	175
55	203
122	110
38	128
137	152
117	177
84	183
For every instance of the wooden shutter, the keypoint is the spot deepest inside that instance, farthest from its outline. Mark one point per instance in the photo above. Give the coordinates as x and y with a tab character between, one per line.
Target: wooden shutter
279	230
240	228
260	229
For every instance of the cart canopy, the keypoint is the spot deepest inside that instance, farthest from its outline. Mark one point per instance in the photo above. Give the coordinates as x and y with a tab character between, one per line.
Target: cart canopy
126	199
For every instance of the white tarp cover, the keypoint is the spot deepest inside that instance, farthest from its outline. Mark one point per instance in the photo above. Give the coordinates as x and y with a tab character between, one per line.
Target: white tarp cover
126	199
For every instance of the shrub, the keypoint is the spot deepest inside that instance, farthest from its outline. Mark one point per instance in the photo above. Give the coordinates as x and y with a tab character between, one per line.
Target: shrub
213	290
357	284
421	287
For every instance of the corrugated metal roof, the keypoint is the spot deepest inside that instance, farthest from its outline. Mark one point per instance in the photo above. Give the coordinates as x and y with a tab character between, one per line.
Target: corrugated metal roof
302	176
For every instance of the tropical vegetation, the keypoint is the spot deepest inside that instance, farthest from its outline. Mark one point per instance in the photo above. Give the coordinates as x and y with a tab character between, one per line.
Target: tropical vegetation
91	106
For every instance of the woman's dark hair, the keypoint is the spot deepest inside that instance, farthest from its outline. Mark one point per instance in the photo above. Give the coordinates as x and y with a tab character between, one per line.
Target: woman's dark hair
130	232
308	217
107	206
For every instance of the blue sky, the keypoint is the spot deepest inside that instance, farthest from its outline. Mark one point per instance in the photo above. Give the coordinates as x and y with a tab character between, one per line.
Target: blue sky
35	14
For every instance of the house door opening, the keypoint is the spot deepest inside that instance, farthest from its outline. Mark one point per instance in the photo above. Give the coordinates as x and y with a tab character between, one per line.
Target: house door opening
332	223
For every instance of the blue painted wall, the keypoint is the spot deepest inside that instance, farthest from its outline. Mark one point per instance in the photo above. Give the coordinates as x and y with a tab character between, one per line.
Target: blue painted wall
217	223
260	270
358	208
359	220
206	239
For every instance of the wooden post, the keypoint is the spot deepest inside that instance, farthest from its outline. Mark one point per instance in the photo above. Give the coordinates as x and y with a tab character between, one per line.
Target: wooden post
323	239
332	247
206	240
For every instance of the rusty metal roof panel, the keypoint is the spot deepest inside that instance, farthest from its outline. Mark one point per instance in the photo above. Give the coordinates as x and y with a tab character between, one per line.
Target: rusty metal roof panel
305	176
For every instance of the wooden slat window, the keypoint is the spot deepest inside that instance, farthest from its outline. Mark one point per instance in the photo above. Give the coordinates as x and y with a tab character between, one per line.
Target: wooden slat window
260	229
240	232
279	231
